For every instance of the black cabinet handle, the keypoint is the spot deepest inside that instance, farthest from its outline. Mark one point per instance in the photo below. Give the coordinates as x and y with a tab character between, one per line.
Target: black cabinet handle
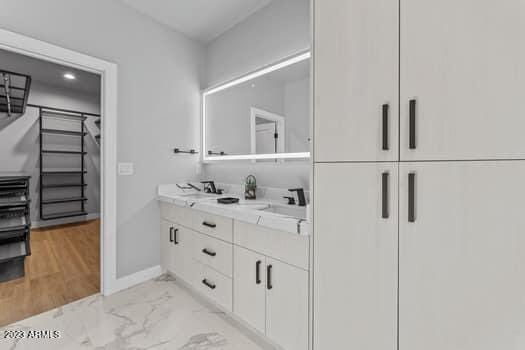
411	197
386	108
258	272
384	195
207	252
208	284
175	240
269	277
171	234
207	224
412	125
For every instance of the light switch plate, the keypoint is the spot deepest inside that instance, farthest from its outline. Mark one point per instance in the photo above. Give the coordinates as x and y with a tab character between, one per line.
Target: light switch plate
125	169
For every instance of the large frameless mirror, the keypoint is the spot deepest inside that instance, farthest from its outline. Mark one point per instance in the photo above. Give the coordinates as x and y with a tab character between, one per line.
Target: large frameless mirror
264	115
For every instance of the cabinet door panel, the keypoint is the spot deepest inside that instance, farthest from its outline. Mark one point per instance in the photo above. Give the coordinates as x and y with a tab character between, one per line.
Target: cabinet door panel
464	63
286	305
356	72
461	283
166	245
249	291
183	252
355	256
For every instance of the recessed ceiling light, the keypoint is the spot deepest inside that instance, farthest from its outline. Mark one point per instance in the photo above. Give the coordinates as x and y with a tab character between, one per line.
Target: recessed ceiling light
69	76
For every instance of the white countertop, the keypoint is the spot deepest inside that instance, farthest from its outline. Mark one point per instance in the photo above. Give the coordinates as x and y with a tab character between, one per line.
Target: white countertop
248	211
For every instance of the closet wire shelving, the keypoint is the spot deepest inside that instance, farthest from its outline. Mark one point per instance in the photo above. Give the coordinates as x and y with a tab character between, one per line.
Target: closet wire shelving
15	225
54	179
14	91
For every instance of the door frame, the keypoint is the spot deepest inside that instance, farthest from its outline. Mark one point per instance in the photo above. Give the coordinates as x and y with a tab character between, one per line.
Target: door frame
279	120
42	50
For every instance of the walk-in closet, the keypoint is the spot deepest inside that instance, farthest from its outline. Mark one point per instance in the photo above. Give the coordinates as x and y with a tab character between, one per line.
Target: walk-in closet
50	146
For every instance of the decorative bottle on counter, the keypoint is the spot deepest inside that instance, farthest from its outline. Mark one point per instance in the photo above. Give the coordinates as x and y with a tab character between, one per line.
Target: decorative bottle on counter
250	187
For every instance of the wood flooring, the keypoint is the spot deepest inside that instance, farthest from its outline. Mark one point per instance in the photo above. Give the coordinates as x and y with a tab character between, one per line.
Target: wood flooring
64	266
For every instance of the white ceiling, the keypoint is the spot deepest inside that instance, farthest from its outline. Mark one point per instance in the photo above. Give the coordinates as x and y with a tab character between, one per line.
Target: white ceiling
203	20
49	73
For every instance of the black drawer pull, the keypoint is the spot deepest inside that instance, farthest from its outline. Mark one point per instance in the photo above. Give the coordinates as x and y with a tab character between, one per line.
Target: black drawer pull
208	284
175	239
207	224
207	252
386	108
411	197
269	277
258	272
384	195
412	125
171	234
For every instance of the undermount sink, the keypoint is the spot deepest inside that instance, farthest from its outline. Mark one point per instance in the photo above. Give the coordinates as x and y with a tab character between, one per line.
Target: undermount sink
287	210
197	195
292	210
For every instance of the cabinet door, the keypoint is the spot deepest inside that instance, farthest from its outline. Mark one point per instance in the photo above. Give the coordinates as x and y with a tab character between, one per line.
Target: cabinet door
249	283
463	62
166	245
286	305
183	252
462	281
355	250
356	73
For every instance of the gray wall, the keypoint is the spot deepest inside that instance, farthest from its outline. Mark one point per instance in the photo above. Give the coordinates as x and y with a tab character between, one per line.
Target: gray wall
158	104
20	151
277	31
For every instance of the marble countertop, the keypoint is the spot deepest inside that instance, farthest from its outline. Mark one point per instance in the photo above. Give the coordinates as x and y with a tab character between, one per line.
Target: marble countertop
267	212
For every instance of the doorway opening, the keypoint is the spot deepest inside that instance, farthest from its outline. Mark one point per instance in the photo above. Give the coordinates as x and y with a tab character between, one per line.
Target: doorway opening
50	185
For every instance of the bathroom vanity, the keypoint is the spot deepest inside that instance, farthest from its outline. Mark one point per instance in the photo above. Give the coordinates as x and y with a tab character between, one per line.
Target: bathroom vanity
250	259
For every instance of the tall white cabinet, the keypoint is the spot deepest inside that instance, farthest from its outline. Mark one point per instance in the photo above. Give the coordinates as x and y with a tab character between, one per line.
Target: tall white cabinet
444	269
462	262
462	63
355	255
356	107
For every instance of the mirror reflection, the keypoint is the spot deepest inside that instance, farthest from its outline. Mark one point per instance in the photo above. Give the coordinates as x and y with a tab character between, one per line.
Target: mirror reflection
267	114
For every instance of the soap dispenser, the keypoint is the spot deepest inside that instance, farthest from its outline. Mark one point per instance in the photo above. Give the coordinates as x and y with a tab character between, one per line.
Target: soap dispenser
250	187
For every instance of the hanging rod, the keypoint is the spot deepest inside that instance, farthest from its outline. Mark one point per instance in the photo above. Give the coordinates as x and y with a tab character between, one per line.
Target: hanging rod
191	151
62	110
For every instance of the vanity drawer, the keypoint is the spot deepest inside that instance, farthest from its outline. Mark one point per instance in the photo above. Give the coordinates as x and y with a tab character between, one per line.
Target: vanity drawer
215	253
213	225
176	214
214	286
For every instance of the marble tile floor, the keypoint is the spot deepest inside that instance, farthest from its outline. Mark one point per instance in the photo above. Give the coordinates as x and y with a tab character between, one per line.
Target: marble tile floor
158	314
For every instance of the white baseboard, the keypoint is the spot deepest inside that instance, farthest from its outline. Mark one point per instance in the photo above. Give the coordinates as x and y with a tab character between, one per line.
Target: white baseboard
134	279
47	223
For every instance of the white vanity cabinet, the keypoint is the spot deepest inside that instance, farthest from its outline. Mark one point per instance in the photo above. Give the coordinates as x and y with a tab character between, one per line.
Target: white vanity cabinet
271	293
286	305
272	297
177	249
258	274
250	287
166	245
